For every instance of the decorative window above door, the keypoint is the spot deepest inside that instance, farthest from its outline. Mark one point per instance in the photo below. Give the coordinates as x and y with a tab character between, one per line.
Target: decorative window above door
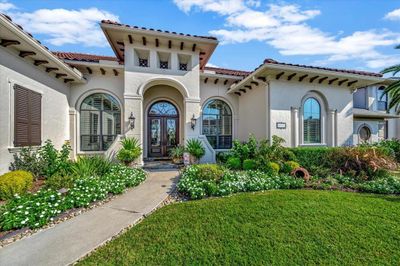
163	108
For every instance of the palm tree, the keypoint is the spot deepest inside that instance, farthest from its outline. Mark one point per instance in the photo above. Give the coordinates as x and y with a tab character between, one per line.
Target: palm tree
393	90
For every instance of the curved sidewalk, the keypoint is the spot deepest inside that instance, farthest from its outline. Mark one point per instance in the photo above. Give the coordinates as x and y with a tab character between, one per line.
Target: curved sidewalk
68	241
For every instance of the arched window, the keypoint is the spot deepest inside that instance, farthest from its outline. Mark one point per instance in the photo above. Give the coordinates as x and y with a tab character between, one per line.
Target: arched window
100	120
312	121
217	124
364	133
163	108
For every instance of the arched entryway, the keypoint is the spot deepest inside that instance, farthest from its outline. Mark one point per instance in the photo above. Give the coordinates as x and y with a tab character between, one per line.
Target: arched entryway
163	128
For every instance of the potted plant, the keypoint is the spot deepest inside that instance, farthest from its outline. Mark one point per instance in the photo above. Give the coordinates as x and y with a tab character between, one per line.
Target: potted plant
130	151
176	154
196	150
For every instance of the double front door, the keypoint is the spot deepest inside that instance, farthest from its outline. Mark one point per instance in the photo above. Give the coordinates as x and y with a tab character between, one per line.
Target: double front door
163	135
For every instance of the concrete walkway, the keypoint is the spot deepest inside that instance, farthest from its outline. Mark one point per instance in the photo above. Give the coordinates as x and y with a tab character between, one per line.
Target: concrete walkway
67	242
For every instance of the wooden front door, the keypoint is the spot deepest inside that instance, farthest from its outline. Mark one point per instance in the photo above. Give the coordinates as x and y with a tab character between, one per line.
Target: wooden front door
163	129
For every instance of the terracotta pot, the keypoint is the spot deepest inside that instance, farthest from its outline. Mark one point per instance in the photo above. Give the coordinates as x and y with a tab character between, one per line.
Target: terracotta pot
300	172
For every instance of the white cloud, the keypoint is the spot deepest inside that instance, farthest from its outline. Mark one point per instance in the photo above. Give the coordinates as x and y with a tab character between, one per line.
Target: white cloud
211	65
6	6
63	26
285	28
393	15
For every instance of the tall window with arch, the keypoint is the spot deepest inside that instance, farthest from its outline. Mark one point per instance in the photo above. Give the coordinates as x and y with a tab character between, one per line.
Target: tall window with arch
217	124
381	98
312	121
100	122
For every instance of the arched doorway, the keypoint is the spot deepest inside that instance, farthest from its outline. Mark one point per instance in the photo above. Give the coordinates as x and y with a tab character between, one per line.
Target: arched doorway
163	128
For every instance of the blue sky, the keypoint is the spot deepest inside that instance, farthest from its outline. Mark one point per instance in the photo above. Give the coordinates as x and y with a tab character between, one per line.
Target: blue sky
357	34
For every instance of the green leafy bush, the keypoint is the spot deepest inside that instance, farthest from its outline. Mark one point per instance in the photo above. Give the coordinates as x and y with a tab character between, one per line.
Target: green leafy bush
361	163
222	157
130	151
273	168
86	166
233	182
389	185
249	164
54	161
15	183
45	161
289	166
57	182
176	153
36	210
28	160
208	171
195	148
234	163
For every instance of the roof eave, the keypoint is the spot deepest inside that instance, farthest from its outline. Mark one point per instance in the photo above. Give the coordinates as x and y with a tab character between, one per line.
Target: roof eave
73	72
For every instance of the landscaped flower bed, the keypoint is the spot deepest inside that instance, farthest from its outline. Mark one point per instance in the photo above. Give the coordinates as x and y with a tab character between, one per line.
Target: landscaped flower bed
195	185
38	209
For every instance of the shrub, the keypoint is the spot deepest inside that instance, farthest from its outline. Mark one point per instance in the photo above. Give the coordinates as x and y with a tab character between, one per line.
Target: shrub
249	164
361	163
389	185
233	182
15	182
86	166
54	161
28	160
57	182
222	157
273	168
46	161
245	150
209	172
176	153
234	163
195	148
289	166
130	150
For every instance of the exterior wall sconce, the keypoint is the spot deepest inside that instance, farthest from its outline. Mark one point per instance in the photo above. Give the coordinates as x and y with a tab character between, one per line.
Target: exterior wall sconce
131	121
193	121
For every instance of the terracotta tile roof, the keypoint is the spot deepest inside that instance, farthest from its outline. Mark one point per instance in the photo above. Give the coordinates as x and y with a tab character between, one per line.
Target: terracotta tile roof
230	72
164	31
83	57
357	72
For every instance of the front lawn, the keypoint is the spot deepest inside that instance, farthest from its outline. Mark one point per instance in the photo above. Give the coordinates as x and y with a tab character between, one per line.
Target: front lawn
276	227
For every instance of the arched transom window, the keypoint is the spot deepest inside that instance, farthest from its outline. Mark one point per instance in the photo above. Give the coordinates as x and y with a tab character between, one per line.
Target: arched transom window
312	121
100	122
163	109
217	124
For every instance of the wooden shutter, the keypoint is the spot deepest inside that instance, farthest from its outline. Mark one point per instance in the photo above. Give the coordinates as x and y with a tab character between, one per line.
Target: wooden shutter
27	126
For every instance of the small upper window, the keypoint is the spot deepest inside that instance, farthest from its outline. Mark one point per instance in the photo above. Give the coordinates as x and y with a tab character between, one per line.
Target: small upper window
382	99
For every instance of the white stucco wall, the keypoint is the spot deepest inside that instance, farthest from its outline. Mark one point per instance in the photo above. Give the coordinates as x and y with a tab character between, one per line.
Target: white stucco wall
253	113
55	108
287	95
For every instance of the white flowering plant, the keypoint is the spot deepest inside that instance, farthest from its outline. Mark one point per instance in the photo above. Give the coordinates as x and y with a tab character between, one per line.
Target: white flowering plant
36	210
195	187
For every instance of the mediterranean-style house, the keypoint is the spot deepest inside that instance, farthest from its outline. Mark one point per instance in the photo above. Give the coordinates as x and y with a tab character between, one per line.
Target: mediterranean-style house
158	89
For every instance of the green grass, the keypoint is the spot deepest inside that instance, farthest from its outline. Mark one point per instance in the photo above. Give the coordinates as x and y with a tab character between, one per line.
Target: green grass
276	227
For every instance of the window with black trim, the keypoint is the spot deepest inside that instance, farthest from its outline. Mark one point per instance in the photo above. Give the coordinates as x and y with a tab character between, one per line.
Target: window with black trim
217	124
100	122
311	121
381	99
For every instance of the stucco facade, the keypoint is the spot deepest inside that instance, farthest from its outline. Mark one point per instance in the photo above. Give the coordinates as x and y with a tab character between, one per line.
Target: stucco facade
162	69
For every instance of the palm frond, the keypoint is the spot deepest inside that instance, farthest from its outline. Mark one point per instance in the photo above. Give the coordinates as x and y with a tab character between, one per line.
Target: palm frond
395	69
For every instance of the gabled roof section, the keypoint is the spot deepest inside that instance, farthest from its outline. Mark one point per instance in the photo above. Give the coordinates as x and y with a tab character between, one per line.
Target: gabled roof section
274	70
15	38
84	57
229	72
118	34
356	72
